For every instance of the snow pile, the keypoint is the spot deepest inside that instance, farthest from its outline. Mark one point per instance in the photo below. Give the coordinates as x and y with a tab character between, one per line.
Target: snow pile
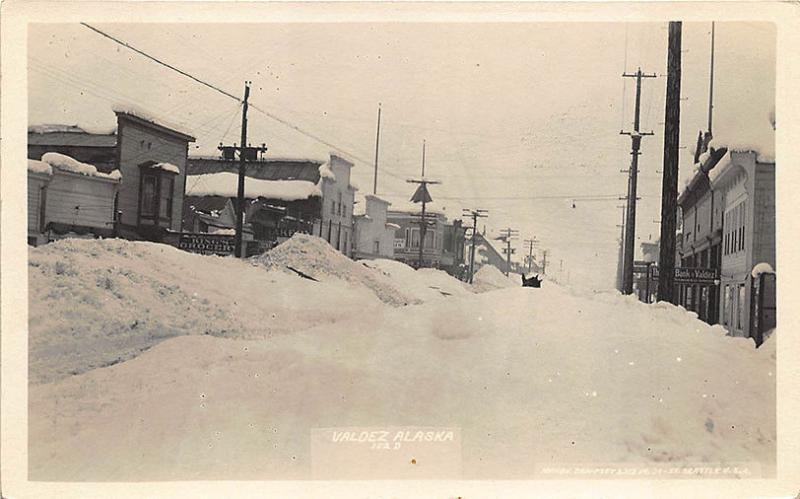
489	278
532	380
97	302
36	166
226	184
316	258
69	164
423	284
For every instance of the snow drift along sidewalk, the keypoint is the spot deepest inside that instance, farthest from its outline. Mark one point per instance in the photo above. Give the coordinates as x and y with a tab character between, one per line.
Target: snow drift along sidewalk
97	302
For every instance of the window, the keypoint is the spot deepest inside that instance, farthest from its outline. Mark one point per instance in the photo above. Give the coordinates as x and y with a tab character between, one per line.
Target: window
726	298
414	238
376	248
149	182
740	315
156	194
430	238
339	212
165	202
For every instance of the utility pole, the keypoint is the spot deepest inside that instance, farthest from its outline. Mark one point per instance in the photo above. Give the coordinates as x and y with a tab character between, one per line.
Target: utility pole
508	250
711	84
544	262
377	143
422	196
246	153
240	191
475	214
636	140
669	184
530	251
620	258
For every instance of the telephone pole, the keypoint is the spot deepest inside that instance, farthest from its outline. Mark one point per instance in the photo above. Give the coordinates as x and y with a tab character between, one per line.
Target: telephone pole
636	140
508	250
377	143
669	184
530	251
422	196
620	258
475	214
246	153
544	262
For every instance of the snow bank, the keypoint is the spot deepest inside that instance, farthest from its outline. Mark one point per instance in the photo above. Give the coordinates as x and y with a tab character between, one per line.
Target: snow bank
69	164
489	278
36	166
422	284
531	379
97	302
227	184
315	257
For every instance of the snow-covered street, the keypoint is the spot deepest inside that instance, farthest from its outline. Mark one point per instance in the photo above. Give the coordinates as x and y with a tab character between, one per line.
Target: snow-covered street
147	365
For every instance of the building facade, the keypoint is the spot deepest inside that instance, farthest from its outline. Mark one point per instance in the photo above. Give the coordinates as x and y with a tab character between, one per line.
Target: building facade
407	238
747	188
151	158
373	234
701	208
282	196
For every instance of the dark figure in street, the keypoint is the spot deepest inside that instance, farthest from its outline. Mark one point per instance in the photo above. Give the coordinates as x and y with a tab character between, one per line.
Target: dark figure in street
532	282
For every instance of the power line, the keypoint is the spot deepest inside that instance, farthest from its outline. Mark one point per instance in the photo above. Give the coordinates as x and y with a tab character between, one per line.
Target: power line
229	95
159	61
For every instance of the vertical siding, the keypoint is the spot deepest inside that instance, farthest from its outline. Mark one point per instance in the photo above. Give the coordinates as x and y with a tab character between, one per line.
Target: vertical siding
34	202
94	199
137	145
764	215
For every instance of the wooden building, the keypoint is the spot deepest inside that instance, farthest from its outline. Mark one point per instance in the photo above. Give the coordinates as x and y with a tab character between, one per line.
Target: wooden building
151	158
67	197
283	196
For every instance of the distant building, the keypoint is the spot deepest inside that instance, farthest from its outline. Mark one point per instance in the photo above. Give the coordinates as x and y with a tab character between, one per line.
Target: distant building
151	158
373	234
407	237
701	219
283	196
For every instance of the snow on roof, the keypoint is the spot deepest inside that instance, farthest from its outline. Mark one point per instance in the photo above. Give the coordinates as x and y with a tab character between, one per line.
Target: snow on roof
226	184
145	115
169	167
68	164
762	268
61	128
36	166
326	172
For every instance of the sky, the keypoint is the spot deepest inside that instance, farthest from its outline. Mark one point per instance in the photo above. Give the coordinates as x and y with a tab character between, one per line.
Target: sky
521	119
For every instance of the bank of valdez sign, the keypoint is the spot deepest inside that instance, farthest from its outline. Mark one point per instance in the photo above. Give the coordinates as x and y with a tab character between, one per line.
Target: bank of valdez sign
692	275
